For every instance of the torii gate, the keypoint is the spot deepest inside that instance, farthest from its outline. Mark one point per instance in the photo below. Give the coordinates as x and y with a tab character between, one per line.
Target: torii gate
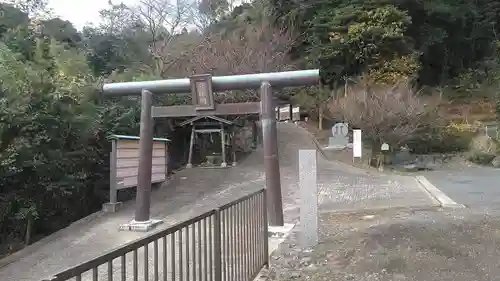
202	88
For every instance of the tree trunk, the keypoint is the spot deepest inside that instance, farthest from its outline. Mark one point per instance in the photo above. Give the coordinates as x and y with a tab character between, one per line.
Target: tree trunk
29	226
375	154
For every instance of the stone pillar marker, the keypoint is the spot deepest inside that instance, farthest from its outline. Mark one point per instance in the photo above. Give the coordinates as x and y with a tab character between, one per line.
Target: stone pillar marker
308	198
339	139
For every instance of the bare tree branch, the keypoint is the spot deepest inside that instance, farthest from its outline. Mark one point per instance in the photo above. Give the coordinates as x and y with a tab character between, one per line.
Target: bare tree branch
385	114
207	12
164	20
255	48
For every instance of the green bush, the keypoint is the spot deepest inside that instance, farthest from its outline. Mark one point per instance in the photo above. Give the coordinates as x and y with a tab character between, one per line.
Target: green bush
483	150
445	139
53	149
482	158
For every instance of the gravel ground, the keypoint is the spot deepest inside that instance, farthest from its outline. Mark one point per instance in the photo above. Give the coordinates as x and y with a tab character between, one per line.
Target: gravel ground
425	245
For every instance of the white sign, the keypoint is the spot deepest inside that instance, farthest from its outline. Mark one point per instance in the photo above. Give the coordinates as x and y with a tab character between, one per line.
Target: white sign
296	109
308	198
385	147
356	143
285	109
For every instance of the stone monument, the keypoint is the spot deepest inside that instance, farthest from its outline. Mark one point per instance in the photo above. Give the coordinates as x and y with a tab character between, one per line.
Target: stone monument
339	139
308	198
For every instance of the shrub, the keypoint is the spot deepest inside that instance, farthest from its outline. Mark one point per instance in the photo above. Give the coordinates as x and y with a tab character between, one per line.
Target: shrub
394	115
483	145
442	139
483	150
481	158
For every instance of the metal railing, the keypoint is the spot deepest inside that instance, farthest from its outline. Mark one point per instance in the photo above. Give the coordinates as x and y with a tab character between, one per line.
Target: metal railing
225	244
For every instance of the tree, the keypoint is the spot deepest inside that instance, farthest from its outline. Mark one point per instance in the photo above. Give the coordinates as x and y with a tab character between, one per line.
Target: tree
62	31
33	8
118	19
385	114
163	20
251	49
315	100
208	12
435	41
254	48
45	127
53	146
120	42
357	37
11	18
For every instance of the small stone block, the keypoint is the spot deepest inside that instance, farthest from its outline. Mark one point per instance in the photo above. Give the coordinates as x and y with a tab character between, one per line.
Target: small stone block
140	226
234	164
111	207
189	165
279	231
223	164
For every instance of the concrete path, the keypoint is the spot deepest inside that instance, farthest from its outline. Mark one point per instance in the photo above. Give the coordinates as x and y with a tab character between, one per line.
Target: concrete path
344	188
195	191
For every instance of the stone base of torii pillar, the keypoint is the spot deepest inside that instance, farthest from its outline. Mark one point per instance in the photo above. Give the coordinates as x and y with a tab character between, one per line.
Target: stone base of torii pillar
141	226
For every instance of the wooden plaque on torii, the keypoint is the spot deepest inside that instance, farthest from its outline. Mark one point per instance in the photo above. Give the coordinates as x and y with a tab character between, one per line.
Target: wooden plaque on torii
203	102
201	91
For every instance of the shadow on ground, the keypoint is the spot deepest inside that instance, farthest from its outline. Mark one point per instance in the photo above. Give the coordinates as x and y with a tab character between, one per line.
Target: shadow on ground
395	245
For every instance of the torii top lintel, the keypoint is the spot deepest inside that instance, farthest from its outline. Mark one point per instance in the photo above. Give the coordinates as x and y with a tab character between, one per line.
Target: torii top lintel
219	83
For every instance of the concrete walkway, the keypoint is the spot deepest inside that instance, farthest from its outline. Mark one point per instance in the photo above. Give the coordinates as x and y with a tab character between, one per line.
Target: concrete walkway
194	191
344	188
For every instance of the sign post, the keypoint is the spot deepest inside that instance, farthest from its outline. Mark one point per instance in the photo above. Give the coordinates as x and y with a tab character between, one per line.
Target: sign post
384	149
356	144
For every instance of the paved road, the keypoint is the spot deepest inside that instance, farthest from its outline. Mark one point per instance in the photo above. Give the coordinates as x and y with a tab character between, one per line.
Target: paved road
474	187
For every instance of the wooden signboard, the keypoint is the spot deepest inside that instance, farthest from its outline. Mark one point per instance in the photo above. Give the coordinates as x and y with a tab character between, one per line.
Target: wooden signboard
124	165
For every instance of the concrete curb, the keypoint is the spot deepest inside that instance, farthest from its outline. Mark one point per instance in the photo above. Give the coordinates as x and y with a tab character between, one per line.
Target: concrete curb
415	208
436	194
